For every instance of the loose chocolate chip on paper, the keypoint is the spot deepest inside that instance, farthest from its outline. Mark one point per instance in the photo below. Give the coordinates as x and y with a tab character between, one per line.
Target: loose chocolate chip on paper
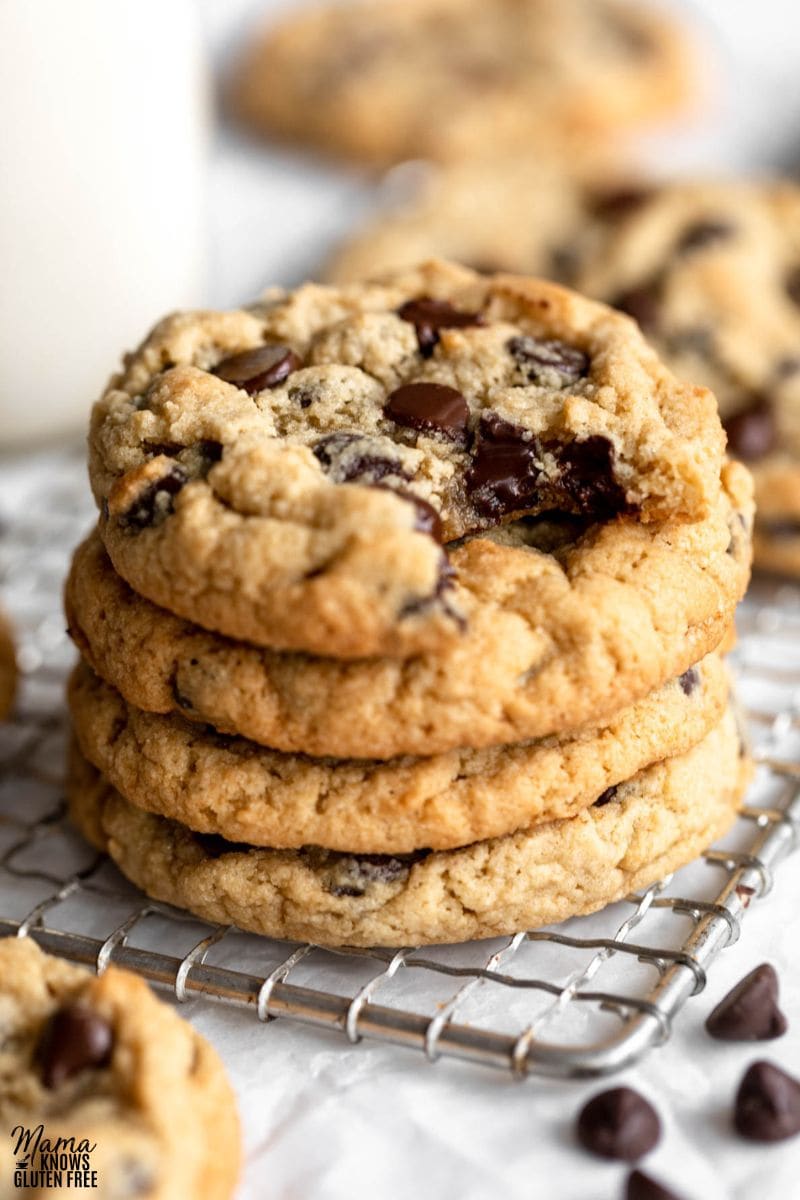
254	370
749	1012
751	431
767	1107
156	500
641	1187
429	408
75	1038
430	316
549	361
618	1123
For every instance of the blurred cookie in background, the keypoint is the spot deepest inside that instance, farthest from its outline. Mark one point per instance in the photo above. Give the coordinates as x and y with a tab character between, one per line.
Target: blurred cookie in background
504	213
380	81
8	668
711	271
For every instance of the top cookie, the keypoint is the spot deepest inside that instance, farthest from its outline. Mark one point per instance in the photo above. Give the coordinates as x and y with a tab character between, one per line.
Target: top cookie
286	474
455	79
102	1059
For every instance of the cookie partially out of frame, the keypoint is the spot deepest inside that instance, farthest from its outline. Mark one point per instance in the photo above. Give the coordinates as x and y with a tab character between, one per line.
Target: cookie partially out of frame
246	793
100	1060
457	79
583	626
658	821
288	474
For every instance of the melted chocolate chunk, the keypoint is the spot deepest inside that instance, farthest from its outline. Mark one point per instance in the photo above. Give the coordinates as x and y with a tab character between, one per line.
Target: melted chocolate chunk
749	1012
155	501
551	363
641	303
767	1107
428	520
606	797
216	846
430	316
254	370
351	875
689	681
75	1038
618	1123
348	456
430	408
751	431
641	1187
793	284
703	234
504	476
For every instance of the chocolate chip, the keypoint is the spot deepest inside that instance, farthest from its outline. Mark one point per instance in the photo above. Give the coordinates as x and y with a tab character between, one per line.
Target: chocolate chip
793	284
620	202
430	316
355	456
254	370
751	431
641	303
767	1105
785	368
155	501
505	475
75	1038
698	340
606	797
216	846
430	408
550	363
353	874
703	234
427	518
587	476
618	1123
641	1187
689	681
787	527
749	1012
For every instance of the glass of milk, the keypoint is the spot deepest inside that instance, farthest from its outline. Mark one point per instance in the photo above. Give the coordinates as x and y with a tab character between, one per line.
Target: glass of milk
102	191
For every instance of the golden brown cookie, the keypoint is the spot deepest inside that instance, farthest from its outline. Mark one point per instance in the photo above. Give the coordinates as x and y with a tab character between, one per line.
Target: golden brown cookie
287	474
246	793
655	823
458	79
585	625
100	1060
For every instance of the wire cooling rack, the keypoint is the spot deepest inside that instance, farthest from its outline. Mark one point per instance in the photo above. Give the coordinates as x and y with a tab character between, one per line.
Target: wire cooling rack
585	998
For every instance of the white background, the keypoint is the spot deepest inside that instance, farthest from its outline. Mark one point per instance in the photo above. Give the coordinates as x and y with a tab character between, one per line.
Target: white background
326	1121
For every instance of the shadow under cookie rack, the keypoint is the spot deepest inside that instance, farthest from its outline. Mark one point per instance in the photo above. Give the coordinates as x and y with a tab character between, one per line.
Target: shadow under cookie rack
585	998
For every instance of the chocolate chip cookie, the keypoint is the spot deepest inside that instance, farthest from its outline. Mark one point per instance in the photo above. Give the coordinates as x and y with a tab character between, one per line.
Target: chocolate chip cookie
229	786
653	824
711	271
577	624
8	668
100	1060
455	79
289	474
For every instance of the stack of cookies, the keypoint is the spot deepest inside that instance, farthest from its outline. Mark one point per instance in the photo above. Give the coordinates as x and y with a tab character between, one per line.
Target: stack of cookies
404	615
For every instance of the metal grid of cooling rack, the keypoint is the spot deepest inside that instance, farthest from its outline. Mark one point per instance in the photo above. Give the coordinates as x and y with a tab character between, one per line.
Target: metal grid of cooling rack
585	998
